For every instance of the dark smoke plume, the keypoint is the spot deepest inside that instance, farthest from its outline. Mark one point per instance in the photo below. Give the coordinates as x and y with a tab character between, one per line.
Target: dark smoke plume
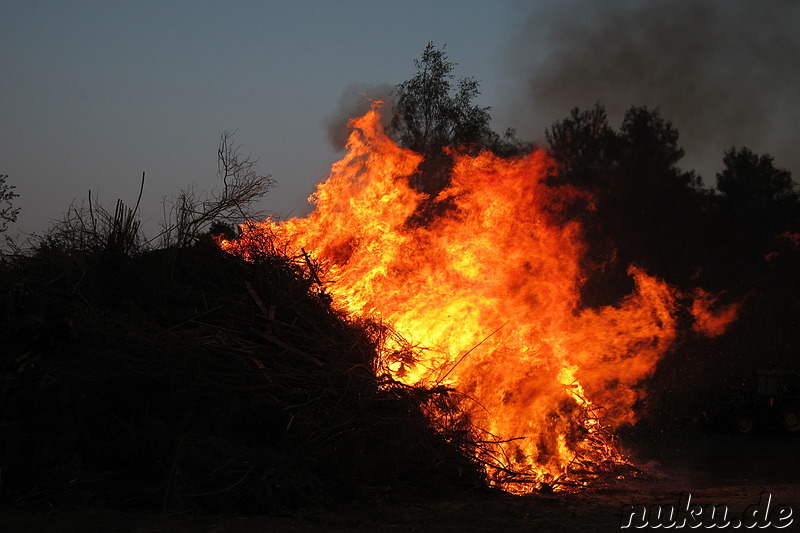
724	72
356	100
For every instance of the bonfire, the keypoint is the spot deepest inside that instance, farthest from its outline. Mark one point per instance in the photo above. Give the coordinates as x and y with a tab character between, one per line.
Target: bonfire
484	299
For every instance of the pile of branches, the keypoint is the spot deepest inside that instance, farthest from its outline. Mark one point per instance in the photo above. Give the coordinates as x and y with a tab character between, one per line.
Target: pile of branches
187	378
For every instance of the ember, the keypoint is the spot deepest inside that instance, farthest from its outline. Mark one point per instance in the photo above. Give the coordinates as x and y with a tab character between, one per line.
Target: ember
489	293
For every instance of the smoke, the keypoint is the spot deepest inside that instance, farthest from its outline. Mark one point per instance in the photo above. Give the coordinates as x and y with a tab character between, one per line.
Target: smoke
355	101
724	72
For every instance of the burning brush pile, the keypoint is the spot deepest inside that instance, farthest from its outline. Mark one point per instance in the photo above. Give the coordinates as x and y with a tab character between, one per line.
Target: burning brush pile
487	292
189	378
359	350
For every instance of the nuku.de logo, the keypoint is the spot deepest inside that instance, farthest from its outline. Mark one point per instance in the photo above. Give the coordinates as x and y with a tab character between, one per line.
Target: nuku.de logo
763	514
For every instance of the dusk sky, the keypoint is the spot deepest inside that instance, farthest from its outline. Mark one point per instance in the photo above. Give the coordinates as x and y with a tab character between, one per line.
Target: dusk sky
93	93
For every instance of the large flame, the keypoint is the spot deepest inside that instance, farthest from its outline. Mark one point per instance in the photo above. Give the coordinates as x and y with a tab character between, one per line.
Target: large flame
490	291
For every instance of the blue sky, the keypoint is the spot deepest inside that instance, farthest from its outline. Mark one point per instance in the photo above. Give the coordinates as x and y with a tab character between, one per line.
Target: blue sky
93	93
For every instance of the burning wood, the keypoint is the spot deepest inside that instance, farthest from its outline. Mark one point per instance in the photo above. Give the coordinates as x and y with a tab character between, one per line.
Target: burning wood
490	289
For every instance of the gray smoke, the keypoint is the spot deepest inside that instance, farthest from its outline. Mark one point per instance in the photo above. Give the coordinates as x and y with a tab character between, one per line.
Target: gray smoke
355	101
725	72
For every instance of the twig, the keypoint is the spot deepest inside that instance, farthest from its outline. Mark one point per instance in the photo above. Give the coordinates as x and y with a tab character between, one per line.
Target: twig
227	488
470	351
139	198
256	298
311	268
289	347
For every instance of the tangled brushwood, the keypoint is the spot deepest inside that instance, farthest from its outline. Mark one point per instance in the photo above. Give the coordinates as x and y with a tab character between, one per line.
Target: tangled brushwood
187	378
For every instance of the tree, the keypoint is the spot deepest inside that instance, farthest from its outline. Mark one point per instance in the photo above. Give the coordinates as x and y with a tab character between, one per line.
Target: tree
653	193
232	204
8	213
645	208
650	152
642	156
583	145
757	203
751	182
433	112
188	216
585	149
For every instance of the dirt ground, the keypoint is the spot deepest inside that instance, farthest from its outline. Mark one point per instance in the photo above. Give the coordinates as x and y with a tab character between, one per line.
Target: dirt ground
715	468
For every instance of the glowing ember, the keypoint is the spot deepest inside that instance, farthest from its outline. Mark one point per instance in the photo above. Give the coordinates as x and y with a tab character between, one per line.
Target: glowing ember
490	289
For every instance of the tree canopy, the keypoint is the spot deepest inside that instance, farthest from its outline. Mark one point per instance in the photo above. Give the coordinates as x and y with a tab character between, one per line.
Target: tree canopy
753	180
643	203
739	241
433	111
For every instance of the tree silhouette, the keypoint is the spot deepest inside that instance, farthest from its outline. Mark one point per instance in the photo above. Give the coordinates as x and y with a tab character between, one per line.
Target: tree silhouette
433	112
751	182
8	213
430	114
656	201
584	146
740	242
756	204
645	208
225	207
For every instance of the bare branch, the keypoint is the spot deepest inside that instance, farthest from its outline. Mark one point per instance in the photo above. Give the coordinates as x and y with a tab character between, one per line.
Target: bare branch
191	214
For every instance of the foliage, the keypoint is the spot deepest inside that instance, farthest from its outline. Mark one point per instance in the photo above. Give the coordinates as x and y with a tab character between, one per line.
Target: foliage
434	113
649	147
757	206
643	152
740	242
8	213
431	113
91	228
584	145
644	207
753	182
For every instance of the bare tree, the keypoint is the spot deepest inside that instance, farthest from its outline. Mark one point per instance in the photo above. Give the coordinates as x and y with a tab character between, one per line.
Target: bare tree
191	214
187	216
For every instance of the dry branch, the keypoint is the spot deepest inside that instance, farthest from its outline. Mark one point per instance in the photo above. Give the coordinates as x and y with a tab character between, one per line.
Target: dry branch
172	394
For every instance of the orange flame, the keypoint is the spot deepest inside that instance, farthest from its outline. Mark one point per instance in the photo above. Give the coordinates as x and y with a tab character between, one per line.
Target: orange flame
708	320
490	289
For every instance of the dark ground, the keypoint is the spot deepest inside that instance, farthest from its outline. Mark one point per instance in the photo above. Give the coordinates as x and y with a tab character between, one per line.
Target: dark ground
715	468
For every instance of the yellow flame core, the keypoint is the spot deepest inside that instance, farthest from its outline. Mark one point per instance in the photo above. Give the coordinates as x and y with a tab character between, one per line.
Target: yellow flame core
491	290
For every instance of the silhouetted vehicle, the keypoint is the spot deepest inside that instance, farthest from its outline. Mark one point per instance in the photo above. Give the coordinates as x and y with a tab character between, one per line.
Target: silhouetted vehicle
775	405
